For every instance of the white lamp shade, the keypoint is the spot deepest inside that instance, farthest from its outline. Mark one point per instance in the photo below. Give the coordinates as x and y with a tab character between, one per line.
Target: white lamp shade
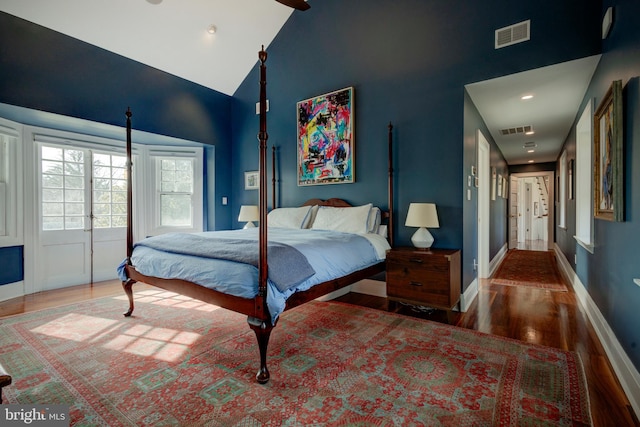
422	215
249	213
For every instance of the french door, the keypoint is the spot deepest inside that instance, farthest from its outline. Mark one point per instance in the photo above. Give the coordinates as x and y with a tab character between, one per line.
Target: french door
81	215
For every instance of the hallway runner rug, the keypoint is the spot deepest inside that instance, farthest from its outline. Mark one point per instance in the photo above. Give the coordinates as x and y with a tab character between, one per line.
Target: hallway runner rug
535	269
181	362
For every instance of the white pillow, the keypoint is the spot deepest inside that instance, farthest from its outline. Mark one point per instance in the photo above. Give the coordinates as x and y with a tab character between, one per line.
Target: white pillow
348	220
289	217
375	218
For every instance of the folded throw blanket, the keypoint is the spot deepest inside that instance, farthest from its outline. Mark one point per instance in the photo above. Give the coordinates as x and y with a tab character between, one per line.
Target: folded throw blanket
288	267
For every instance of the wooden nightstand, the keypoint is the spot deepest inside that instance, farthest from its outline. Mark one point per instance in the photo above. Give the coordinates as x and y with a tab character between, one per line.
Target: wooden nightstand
424	277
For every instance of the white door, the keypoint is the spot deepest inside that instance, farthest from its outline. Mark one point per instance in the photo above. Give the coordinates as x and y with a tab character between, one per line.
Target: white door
513	211
528	212
484	181
81	216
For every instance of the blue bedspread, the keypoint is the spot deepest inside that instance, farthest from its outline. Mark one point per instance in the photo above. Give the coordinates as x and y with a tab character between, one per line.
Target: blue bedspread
331	254
288	267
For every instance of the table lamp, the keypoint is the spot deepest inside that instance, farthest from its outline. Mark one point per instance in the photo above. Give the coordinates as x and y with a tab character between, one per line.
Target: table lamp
249	213
422	215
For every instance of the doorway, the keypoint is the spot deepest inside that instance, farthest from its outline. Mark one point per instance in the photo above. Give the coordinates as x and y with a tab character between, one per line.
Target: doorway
81	221
531	211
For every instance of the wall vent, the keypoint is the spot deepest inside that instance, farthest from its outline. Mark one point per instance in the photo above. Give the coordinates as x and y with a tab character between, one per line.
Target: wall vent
516	130
516	33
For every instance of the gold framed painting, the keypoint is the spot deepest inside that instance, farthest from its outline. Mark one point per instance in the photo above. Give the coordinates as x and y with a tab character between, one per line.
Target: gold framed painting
608	156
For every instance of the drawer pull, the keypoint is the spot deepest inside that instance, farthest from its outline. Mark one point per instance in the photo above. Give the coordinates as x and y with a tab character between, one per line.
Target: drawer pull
415	283
417	260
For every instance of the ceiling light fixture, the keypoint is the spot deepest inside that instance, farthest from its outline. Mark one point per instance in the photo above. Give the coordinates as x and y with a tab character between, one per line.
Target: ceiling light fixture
530	161
531	132
531	151
212	29
526	97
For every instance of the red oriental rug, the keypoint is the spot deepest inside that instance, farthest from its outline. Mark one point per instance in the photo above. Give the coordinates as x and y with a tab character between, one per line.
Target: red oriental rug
181	362
535	269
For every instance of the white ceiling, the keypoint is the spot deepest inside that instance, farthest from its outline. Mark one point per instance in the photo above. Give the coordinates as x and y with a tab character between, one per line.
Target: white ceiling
171	35
557	93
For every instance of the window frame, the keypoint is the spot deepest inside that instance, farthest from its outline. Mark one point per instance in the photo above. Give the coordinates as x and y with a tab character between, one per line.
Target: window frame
584	178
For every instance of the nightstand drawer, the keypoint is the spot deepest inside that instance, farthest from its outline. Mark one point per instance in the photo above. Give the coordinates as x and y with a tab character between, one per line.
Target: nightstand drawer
430	278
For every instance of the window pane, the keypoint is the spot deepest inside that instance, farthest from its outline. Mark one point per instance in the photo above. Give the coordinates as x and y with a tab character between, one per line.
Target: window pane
52	153
101	171
51	195
52	181
175	210
102	208
102	221
53	223
119	197
168	187
76	169
101	159
168	164
101	196
119	221
51	209
74	223
119	185
119	209
74	196
74	182
74	208
101	184
52	167
118	173
76	156
118	161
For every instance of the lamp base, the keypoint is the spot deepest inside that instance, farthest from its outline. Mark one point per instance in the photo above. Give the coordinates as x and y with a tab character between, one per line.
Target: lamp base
422	238
249	225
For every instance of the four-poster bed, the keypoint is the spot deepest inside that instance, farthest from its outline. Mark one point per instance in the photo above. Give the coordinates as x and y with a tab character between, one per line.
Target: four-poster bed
266	299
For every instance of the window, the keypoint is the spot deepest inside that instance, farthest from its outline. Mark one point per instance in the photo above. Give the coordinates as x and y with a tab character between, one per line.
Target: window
563	190
63	186
176	192
109	191
584	179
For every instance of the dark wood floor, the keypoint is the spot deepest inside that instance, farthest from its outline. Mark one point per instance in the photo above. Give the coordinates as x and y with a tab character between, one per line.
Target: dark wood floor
536	316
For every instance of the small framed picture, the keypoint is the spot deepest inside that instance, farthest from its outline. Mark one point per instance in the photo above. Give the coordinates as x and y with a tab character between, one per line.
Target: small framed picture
251	180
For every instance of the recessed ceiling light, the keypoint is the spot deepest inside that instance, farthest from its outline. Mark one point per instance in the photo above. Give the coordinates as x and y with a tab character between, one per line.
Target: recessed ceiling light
212	29
530	161
154	1
531	151
531	132
525	97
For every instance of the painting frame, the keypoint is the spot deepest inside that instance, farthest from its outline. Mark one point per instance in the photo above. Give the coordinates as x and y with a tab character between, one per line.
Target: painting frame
251	180
608	203
325	138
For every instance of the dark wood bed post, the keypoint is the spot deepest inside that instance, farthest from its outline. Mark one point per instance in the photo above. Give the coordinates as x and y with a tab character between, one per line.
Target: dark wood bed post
128	284
260	322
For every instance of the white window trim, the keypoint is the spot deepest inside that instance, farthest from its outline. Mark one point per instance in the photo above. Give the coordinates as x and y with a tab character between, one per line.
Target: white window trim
584	179
12	187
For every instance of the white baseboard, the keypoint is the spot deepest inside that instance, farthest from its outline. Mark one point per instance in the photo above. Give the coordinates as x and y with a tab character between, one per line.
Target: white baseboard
11	290
472	290
623	367
495	262
469	295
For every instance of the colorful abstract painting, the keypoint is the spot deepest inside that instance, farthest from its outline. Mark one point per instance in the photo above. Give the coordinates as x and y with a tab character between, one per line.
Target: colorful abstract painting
325	139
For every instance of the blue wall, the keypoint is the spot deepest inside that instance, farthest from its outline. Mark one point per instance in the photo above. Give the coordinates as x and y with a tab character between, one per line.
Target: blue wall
608	273
408	62
44	70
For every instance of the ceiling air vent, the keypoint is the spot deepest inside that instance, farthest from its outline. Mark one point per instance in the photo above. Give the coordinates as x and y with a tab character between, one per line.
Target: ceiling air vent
516	33
515	131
